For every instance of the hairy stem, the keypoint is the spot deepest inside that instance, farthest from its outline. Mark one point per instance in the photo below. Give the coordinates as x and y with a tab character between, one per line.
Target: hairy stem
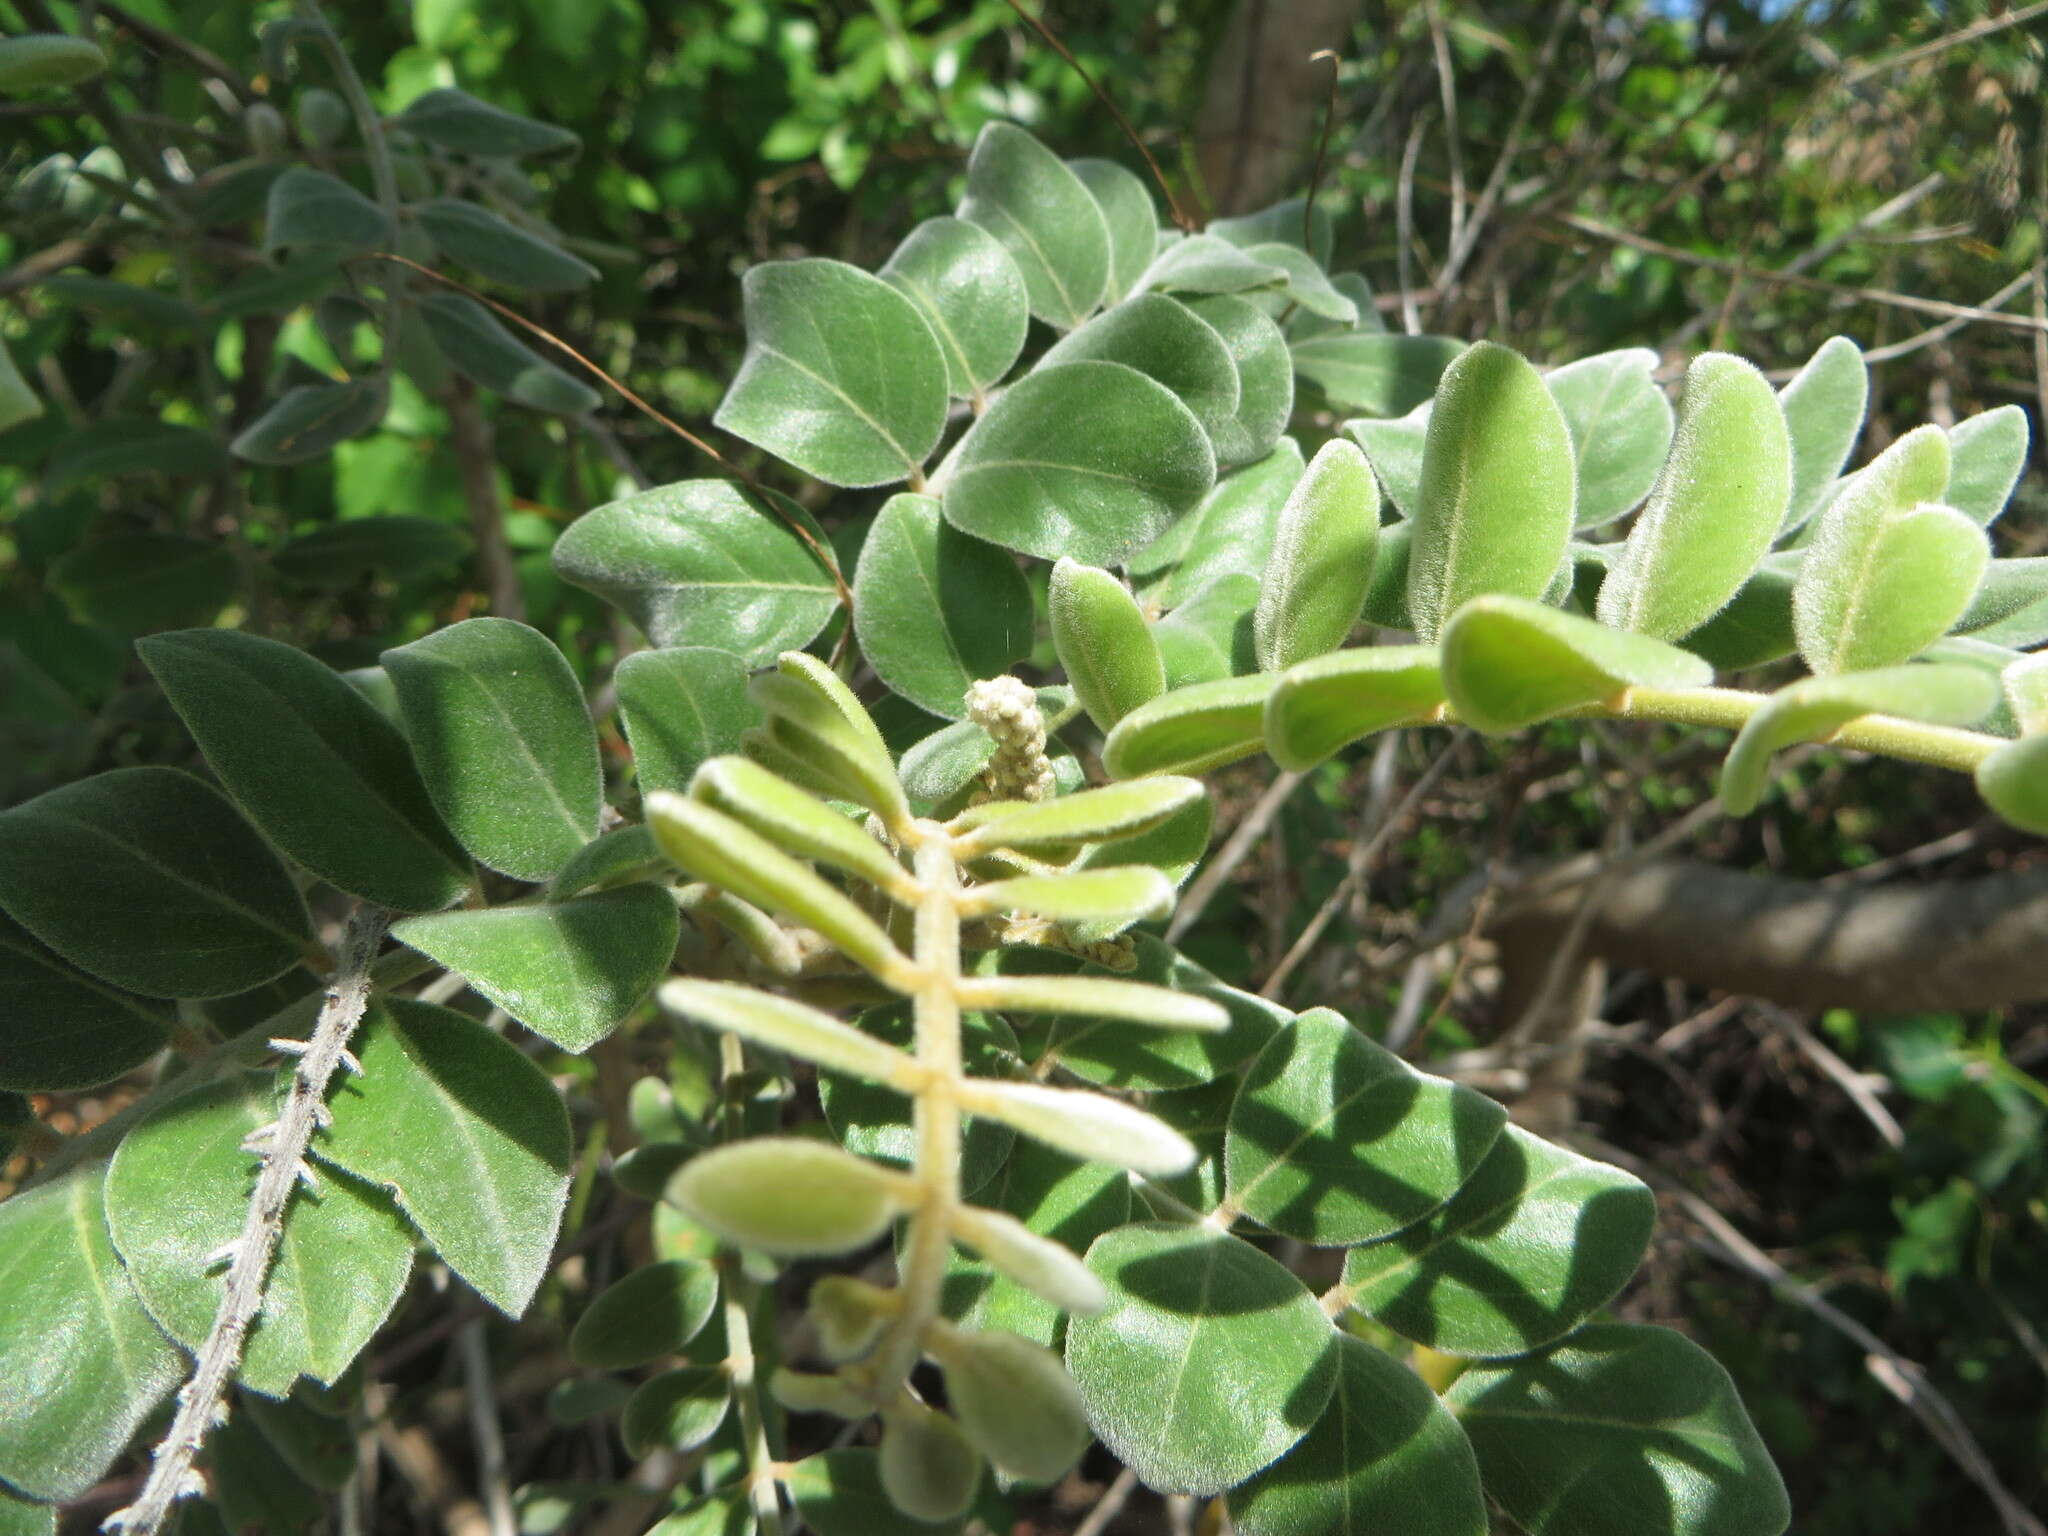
202	1401
743	1367
1940	746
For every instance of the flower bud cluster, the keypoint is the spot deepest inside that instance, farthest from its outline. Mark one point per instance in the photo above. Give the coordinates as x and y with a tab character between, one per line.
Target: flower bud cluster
1008	710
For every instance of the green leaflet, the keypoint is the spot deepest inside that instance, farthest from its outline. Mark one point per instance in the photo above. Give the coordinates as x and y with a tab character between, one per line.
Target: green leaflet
1315	582
1130	218
1384	1459
1716	507
1265	376
311	208
85	1366
1986	455
1288	221
1089	815
1230	533
1380	375
499	250
1888	571
316	766
1621	1431
127	445
457	121
139	581
18	403
1045	217
65	1030
1495	508
2026	692
481	349
701	563
1334	1139
1089	459
307	421
937	609
570	970
2014	782
1509	662
1202	726
1305	285
1621	428
1099	635
842	376
2011	603
1328	702
840	1493
1823	408
677	1410
178	1189
434	1080
681	707
149	879
1531	1245
1395	449
1205	264
504	742
341	554
875	1122
1209	637
1756	626
652	1312
1209	1363
1815	707
971	295
1164	340
37	61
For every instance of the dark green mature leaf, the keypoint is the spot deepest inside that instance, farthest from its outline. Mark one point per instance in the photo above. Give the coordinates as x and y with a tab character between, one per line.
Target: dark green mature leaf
83	1362
2013	780
501	251
1191	729
1205	264
342	554
936	609
1385	1459
1210	1362
1509	662
1717	505
1089	459
60	1029
1315	581
20	1517
1328	702
178	1189
309	419
1621	427
840	1493
456	120
40	61
1335	1139
677	1410
127	445
468	1136
1823	408
1986	455
1164	340
1534	1243
1230	533
326	777
875	1122
843	377
727	1512
1756	626
1045	217
149	879
1306	286
1622	1431
481	349
971	295
504	742
652	1312
128	303
682	707
1265	376
1209	637
137	582
1128	214
1816	707
701	563
1379	375
1498	476
1099	635
1114	1053
570	970
18	403
306	207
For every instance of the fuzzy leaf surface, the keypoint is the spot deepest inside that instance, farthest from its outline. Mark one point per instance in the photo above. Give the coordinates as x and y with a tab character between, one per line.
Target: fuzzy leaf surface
1045	217
1621	428
1509	662
1823	405
971	295
65	1029
682	706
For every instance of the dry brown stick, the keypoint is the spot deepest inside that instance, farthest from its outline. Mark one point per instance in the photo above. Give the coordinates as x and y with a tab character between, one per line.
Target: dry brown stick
1404	230
1243	838
1837	1071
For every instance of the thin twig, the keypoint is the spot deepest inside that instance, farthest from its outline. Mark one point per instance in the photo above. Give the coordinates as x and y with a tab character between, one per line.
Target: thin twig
1233	853
484	1428
202	1401
1315	177
1404	230
1110	1505
1447	88
1180	217
1836	1071
1980	28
